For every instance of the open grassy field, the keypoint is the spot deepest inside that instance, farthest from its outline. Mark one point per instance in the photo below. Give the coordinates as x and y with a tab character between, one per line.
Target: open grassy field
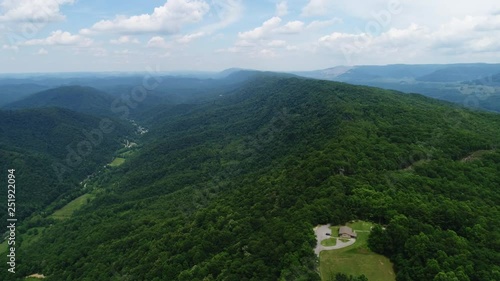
117	162
335	231
66	211
329	242
356	259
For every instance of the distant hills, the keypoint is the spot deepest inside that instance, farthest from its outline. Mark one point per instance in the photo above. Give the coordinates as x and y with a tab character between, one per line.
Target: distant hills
461	73
13	92
459	83
463	84
231	188
424	72
76	98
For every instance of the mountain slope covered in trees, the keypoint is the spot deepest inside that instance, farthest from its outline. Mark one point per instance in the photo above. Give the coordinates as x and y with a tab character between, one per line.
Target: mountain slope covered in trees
10	93
470	84
231	189
76	98
52	150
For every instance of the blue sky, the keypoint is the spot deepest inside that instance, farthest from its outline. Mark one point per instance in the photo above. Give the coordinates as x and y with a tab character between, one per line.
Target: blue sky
212	35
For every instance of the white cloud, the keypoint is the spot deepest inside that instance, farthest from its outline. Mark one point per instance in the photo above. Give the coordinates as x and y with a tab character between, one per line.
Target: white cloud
266	53
190	37
483	45
32	10
282	9
404	37
227	11
262	30
415	32
124	40
291	27
414	36
265	39
169	18
10	47
257	52
272	26
455	38
244	43
158	42
42	52
99	52
318	24
467	34
337	38
125	52
277	43
316	8
60	38
229	50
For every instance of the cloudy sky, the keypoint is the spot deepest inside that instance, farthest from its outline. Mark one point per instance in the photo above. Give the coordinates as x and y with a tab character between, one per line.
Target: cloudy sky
131	35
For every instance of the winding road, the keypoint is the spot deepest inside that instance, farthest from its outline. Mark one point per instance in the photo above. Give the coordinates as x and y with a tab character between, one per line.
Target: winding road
321	232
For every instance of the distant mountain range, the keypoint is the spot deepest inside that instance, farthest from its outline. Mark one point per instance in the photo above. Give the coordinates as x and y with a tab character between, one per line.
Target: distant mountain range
76	98
97	96
475	85
404	72
13	92
235	172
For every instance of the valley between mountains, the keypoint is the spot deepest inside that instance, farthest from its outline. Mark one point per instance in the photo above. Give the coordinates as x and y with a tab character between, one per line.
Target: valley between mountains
225	179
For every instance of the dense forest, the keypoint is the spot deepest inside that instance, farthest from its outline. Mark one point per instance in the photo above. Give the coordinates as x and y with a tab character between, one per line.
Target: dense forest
49	148
231	188
76	98
474	85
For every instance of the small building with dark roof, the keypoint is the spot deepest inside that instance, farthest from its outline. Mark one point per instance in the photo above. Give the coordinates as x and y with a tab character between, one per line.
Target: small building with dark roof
347	232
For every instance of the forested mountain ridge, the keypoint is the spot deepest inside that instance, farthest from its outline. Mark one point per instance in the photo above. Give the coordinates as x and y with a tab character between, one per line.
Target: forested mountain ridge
53	149
468	84
76	98
10	93
230	190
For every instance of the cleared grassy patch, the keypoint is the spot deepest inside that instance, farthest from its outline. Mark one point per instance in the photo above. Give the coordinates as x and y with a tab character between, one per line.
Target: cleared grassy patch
66	211
117	162
329	242
335	231
360	226
356	259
